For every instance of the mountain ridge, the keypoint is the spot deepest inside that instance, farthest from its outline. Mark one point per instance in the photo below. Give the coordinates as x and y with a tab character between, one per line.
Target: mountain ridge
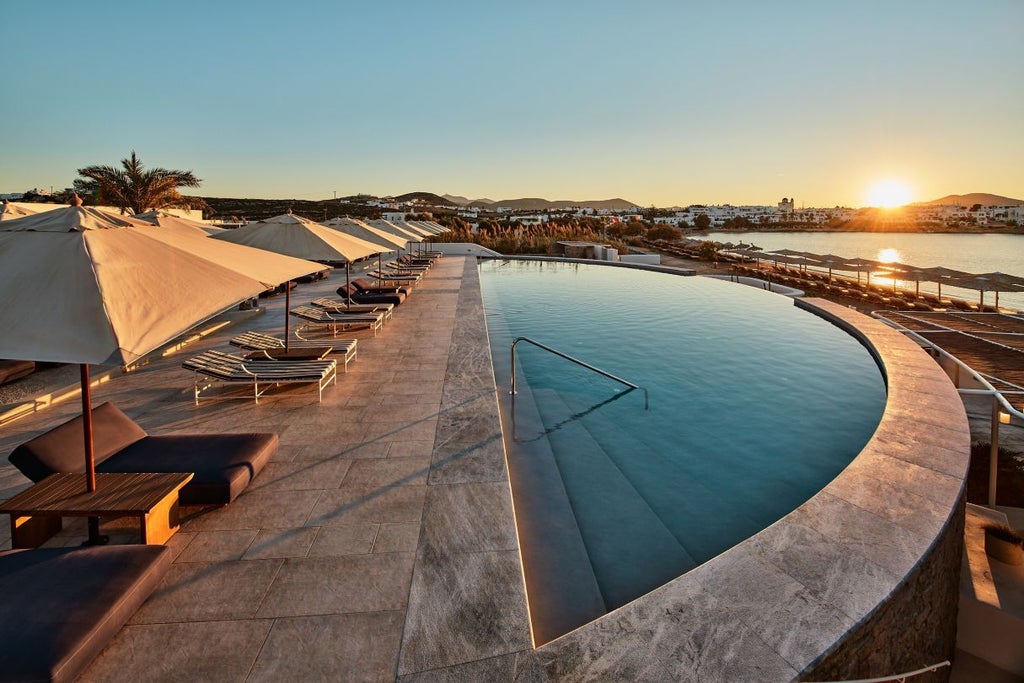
972	198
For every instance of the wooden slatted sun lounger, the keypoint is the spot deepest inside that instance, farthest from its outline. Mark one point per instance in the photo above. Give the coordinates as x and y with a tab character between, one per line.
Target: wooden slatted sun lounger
318	316
258	341
399	278
336	306
211	367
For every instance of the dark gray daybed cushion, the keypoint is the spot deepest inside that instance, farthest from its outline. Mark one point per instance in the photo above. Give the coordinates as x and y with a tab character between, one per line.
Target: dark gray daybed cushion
61	606
223	464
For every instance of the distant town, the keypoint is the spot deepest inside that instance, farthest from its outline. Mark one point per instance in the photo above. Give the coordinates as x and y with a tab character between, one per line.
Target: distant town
956	213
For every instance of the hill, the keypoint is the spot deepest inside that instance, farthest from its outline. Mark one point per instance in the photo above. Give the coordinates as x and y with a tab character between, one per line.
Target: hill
540	204
973	198
425	197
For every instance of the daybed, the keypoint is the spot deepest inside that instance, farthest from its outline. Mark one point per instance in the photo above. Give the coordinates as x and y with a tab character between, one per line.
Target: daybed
61	606
223	464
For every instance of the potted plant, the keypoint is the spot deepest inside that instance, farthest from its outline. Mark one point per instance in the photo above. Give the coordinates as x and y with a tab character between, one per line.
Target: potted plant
1004	544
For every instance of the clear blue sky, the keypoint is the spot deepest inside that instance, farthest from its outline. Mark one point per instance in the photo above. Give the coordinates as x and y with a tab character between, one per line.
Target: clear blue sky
663	103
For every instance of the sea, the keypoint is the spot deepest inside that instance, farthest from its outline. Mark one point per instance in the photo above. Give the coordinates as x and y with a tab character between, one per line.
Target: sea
972	253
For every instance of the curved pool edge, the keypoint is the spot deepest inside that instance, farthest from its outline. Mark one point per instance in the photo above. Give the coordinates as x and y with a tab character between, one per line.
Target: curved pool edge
861	580
858	574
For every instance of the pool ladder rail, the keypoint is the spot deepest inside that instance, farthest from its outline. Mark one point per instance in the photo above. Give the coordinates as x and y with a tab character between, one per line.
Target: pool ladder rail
577	361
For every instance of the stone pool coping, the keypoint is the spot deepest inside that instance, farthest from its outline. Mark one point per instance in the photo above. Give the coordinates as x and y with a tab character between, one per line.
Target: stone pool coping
776	605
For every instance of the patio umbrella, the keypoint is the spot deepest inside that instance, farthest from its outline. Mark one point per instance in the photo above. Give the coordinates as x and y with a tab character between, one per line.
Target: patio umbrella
939	274
86	288
296	236
830	260
990	282
9	211
356	228
165	220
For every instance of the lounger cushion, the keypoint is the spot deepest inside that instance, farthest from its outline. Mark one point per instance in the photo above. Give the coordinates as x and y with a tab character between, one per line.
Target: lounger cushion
370	297
61	606
11	370
364	285
61	449
223	464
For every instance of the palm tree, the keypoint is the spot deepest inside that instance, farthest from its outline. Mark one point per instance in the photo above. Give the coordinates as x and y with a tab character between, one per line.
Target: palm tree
136	189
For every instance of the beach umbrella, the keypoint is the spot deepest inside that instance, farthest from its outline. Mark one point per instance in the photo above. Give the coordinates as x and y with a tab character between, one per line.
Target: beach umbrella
940	274
165	219
990	282
11	211
89	287
356	228
302	238
830	260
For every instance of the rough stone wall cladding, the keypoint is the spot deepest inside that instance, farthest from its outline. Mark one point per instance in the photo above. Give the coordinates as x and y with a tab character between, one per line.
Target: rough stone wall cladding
915	628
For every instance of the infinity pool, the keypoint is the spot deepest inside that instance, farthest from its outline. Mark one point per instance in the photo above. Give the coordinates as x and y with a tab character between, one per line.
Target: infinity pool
755	406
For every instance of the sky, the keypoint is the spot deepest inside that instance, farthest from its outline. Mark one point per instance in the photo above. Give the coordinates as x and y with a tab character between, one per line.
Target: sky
662	103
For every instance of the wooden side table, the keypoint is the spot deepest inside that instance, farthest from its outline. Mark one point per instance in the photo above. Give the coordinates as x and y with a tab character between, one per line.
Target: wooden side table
37	512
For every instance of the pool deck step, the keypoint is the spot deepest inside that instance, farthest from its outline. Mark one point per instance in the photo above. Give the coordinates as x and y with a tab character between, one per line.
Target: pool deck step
681	500
561	587
630	548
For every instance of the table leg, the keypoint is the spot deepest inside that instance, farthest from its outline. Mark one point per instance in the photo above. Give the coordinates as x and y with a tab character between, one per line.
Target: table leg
32	532
162	521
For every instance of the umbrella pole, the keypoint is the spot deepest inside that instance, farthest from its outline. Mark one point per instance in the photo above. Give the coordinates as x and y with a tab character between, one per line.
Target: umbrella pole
287	312
90	455
348	283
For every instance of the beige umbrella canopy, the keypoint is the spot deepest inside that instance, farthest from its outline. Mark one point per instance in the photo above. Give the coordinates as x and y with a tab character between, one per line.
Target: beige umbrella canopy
296	236
388	226
10	211
85	286
87	289
164	219
388	240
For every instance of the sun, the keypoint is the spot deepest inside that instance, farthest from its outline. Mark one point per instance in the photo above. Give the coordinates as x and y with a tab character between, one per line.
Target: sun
888	193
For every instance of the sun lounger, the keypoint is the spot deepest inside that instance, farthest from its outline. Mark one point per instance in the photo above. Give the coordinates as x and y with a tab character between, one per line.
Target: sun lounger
62	606
319	316
372	296
368	286
403	268
401	278
335	306
257	341
211	367
223	464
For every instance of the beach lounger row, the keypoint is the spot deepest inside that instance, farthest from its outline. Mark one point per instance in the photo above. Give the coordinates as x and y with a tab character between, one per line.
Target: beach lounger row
212	368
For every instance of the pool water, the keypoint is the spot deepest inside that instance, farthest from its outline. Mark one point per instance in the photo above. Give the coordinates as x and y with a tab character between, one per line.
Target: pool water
755	406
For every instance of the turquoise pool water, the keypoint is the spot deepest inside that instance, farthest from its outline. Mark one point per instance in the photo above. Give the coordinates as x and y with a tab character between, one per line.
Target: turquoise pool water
755	405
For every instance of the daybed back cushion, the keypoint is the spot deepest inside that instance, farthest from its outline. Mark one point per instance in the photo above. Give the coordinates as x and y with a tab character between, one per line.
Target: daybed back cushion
61	449
61	606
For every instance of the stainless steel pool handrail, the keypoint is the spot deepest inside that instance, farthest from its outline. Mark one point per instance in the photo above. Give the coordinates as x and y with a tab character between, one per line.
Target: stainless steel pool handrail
577	361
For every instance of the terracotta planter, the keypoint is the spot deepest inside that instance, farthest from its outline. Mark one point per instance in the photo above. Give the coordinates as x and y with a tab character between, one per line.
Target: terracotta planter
1003	550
